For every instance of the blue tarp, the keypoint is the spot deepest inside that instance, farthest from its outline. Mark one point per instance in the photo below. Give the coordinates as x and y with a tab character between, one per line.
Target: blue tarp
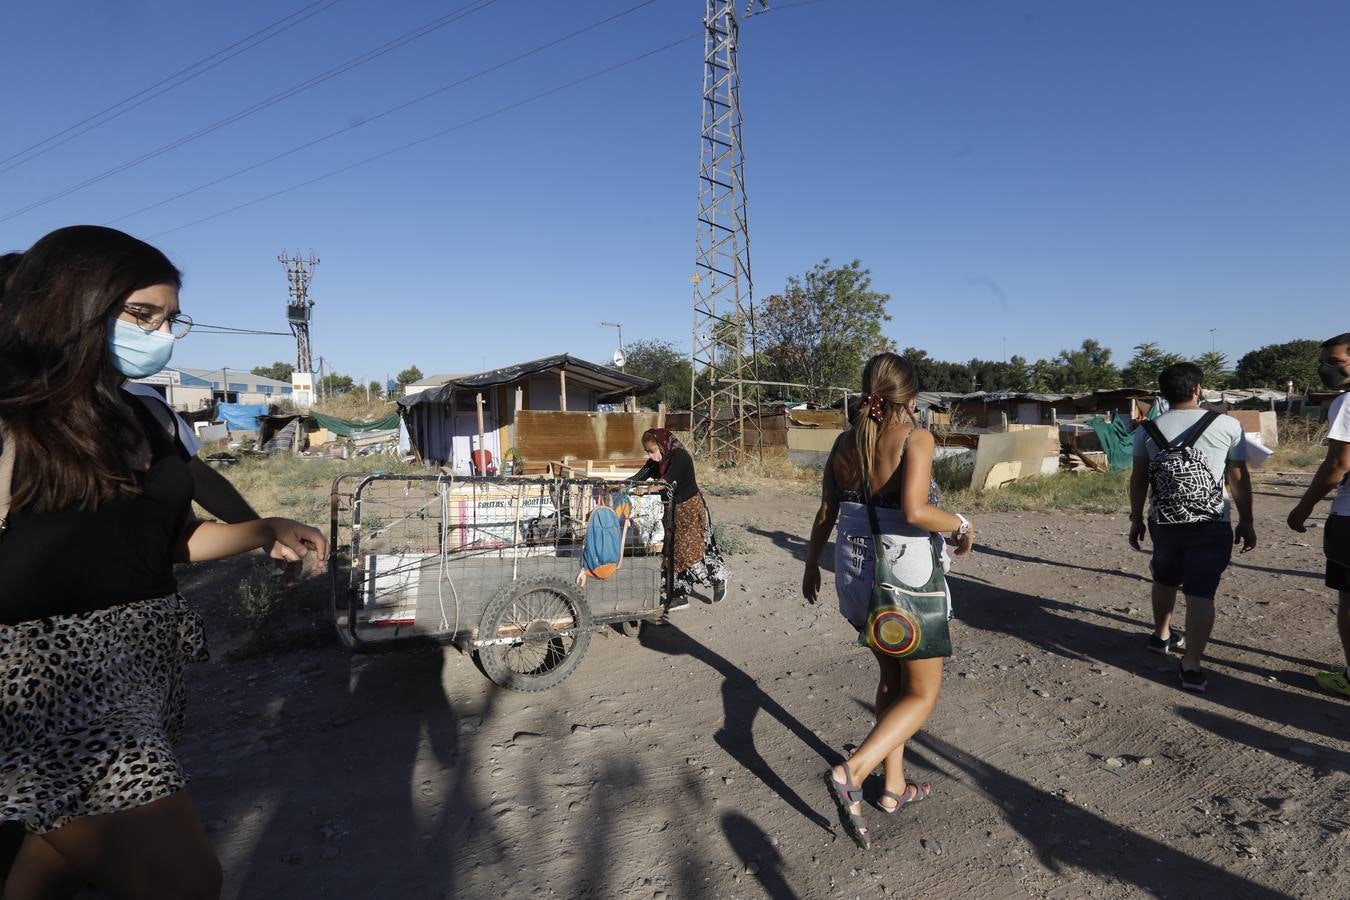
241	416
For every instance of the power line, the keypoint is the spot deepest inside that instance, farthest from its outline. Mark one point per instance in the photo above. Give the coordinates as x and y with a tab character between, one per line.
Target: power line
388	112
163	86
226	329
305	85
436	134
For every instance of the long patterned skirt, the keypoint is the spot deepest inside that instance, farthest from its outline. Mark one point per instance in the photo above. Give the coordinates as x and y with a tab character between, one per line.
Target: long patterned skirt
697	558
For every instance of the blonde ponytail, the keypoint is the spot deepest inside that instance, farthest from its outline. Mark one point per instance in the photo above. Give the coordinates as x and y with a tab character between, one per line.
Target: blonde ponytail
889	385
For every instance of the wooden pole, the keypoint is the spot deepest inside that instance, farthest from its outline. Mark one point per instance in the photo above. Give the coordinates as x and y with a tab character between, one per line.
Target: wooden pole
515	538
482	451
660	415
562	380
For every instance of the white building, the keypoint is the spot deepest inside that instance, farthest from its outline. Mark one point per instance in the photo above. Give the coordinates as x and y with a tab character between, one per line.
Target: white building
192	389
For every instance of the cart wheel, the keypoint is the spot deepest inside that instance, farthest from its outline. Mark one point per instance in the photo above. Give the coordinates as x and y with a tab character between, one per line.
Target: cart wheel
631	628
535	608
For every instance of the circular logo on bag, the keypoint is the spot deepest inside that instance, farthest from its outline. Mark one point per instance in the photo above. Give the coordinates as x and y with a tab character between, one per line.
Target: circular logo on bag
895	632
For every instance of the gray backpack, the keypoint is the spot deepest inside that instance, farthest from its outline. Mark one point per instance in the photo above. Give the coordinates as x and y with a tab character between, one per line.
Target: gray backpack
1184	488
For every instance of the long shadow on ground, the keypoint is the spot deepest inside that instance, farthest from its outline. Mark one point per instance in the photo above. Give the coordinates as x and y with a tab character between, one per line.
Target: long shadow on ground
742	700
1066	836
796	544
1066	630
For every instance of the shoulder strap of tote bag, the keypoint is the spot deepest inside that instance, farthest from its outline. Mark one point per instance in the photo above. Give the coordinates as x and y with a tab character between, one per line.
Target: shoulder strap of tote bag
877	553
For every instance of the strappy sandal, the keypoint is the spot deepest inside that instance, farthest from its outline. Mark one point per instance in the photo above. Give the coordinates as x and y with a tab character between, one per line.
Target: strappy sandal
913	794
845	795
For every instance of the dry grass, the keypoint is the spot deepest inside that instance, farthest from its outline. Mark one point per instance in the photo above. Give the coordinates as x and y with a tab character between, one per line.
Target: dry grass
297	487
1302	445
1096	492
353	405
774	471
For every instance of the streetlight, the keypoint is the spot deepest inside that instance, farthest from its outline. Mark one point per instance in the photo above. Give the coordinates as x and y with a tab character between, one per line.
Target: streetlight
619	358
1211	339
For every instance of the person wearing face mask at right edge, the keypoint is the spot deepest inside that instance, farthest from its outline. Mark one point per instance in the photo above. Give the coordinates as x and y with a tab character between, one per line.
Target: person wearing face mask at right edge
1334	371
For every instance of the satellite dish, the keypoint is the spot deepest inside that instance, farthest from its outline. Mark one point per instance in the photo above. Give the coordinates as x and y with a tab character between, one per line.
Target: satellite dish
619	358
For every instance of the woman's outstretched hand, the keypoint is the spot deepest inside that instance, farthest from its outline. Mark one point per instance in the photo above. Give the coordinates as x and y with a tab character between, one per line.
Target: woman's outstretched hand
295	541
811	582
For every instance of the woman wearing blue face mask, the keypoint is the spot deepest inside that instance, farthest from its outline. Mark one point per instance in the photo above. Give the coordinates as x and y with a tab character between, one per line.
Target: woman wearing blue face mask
95	509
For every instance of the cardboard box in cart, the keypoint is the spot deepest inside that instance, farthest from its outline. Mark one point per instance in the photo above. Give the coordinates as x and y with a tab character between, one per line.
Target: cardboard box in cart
498	516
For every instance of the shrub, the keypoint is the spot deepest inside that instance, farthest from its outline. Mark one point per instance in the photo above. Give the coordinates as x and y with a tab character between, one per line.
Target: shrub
730	538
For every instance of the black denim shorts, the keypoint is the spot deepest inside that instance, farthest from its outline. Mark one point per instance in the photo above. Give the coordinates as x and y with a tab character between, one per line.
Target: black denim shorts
1192	557
1336	545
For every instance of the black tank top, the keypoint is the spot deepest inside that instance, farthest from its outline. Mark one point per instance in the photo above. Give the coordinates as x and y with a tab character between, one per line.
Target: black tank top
72	561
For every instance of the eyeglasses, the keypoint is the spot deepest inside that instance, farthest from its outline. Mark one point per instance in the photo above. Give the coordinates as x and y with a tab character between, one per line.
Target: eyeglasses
151	319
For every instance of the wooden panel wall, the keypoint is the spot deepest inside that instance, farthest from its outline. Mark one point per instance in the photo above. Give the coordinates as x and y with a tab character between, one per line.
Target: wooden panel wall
543	436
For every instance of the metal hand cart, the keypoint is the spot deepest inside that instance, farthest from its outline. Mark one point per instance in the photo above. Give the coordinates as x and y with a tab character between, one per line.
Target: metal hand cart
489	564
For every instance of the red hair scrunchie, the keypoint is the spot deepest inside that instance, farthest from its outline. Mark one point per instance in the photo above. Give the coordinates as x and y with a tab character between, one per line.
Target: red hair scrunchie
875	407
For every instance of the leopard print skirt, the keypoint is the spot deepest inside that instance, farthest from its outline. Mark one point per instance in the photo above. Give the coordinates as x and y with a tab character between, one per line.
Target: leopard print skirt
90	706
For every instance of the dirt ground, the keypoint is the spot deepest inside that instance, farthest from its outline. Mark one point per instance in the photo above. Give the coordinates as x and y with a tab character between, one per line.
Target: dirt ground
686	763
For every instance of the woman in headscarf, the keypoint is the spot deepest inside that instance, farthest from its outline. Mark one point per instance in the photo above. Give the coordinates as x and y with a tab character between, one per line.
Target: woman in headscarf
667	460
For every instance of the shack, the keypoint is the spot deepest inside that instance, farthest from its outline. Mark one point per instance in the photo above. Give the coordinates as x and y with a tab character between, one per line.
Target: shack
543	411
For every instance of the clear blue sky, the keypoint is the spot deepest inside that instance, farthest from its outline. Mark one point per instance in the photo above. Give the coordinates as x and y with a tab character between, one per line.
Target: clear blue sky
1042	172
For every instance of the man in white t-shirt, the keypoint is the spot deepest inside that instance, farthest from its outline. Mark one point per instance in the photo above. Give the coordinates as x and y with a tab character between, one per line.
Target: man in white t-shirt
1335	470
1187	458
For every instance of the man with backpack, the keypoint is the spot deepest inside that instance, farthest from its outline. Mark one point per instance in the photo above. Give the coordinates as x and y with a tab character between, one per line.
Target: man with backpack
1335	470
1182	460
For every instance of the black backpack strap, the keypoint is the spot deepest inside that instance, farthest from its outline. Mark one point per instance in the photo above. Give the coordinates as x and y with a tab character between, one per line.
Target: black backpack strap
1155	434
161	413
1199	428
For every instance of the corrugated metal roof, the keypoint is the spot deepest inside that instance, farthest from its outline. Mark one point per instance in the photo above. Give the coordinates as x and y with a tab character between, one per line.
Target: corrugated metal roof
236	376
612	381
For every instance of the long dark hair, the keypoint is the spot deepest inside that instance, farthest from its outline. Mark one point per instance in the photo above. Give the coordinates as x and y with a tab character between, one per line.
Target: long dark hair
60	392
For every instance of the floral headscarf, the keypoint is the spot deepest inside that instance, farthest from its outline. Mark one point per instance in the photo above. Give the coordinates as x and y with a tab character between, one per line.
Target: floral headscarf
666	440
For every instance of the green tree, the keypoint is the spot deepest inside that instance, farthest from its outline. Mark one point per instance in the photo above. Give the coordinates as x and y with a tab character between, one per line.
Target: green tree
278	370
333	383
660	361
1044	376
1273	365
1018	374
1215	366
1143	368
995	376
375	388
1089	368
409	375
824	326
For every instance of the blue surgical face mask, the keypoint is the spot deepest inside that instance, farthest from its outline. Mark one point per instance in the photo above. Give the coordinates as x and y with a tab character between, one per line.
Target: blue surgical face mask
139	353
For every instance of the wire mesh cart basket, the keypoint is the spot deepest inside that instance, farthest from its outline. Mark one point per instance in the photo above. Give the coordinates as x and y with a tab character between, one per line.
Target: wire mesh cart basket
489	564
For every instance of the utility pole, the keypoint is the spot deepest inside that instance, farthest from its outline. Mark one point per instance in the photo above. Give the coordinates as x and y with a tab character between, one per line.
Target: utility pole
723	288
299	272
